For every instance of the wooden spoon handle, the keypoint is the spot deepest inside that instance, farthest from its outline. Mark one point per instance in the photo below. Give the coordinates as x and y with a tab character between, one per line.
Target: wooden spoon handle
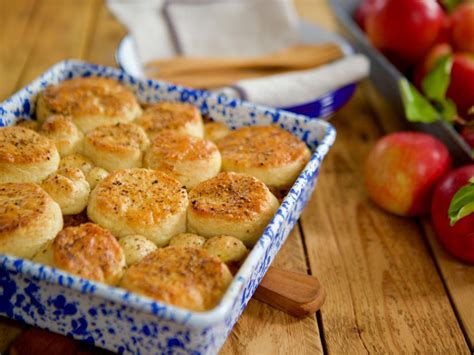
294	293
292	58
215	79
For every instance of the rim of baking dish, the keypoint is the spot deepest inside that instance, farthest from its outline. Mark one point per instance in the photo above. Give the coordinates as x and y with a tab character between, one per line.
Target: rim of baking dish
147	304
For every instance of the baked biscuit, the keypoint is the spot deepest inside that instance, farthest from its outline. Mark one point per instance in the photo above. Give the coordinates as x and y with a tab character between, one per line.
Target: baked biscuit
25	156
188	240
96	175
28	123
91	102
116	147
45	255
64	133
29	218
215	131
140	201
269	153
228	249
176	116
69	188
136	247
77	161
91	252
232	204
188	159
184	277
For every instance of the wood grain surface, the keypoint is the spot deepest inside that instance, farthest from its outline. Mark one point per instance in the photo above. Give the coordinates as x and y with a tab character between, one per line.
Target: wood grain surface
390	287
382	285
459	282
457	277
266	330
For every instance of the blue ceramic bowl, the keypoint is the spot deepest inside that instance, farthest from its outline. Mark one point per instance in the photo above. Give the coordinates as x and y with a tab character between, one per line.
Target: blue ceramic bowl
323	107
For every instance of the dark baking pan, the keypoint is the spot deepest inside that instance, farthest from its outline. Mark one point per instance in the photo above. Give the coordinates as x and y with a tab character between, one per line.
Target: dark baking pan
386	79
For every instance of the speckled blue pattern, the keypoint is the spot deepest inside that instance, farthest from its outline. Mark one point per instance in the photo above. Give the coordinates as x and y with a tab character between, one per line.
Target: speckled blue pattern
114	319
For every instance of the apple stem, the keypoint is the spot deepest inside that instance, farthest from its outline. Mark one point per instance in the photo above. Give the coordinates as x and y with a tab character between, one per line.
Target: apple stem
461	121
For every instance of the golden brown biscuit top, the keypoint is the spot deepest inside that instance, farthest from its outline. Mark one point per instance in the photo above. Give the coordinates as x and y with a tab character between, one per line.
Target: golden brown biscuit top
19	145
76	161
229	195
141	196
118	137
168	115
215	130
181	276
20	205
28	123
172	146
58	126
89	96
63	179
74	174
262	146
89	251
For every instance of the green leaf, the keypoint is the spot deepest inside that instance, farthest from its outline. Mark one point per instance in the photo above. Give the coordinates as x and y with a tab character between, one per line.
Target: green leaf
436	83
417	107
462	203
451	4
448	109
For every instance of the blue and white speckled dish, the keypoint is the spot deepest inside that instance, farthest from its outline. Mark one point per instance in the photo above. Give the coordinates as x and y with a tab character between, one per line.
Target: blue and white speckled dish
113	318
323	107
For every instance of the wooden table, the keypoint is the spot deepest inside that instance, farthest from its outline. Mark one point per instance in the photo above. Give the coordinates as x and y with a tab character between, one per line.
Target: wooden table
390	287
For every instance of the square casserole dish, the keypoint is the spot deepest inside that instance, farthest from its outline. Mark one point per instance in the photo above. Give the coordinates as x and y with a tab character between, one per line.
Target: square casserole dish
121	321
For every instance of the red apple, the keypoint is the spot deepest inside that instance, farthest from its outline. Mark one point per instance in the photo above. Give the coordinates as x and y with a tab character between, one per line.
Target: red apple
467	134
362	12
405	28
402	170
458	239
461	88
462	27
438	51
428	62
443	34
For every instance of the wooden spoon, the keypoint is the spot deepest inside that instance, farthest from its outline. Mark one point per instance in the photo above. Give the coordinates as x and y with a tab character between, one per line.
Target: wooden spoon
215	79
213	72
294	293
296	57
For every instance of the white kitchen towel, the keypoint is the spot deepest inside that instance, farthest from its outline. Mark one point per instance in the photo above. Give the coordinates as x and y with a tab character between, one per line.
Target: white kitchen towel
165	28
230	27
299	87
146	22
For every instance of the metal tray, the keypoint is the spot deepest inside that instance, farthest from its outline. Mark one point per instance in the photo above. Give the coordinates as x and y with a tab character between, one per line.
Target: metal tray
121	321
386	78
